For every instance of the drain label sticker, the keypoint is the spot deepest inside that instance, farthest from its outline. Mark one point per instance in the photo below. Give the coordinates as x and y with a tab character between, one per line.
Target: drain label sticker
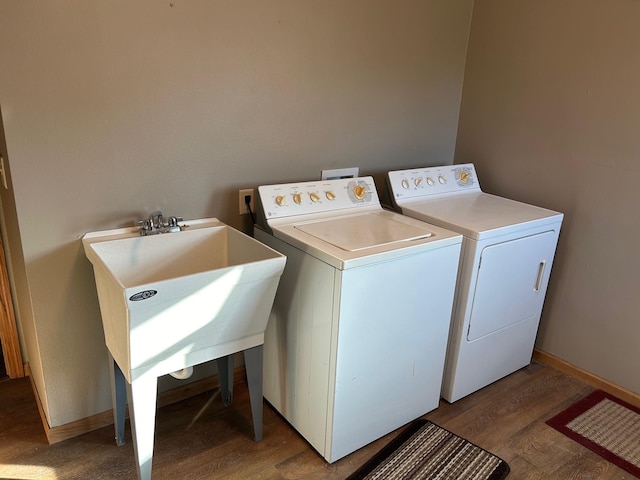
146	294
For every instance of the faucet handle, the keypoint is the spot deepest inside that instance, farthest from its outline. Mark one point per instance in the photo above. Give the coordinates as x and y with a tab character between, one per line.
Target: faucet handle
173	221
146	226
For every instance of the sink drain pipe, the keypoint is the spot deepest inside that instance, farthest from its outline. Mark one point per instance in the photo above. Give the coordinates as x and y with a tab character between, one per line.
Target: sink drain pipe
182	374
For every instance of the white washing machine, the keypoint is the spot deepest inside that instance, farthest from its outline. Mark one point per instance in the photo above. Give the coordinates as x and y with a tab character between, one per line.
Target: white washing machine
507	253
356	341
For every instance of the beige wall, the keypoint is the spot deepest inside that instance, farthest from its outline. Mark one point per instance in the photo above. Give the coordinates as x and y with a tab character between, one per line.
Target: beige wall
551	115
113	109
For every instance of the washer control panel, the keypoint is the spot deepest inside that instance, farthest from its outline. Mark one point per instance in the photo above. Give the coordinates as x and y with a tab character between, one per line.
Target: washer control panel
320	196
431	181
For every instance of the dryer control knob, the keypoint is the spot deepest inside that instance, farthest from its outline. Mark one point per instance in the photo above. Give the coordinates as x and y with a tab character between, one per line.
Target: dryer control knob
464	177
430	181
359	191
281	200
418	181
405	184
314	197
330	195
297	198
442	180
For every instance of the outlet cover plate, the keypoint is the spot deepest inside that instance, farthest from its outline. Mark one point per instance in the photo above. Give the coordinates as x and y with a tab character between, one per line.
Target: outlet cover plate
242	206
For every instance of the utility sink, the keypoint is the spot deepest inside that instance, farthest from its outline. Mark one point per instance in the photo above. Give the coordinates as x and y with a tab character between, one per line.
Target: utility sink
172	299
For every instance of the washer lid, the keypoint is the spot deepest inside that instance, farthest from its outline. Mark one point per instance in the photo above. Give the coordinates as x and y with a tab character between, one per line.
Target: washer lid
348	240
358	232
480	215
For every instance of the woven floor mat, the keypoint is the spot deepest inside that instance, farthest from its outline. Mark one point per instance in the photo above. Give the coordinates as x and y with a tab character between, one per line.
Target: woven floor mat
607	426
426	451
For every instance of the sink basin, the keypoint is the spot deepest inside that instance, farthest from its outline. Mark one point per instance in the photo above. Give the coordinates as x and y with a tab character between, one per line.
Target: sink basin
174	300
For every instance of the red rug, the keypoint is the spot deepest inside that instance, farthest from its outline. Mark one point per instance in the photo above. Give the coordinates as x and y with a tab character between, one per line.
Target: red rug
607	426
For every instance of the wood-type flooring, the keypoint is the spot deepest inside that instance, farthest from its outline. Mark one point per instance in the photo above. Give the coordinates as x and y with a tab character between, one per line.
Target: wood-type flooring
199	438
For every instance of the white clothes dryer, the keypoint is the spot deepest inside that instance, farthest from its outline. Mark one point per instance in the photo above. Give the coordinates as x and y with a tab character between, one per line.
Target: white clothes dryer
507	254
356	341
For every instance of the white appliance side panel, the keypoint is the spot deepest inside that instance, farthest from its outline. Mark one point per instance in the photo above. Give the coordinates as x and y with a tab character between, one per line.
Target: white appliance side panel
511	283
392	336
297	346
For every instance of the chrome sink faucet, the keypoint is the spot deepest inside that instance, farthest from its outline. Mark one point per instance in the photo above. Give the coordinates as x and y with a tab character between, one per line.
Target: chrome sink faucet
156	224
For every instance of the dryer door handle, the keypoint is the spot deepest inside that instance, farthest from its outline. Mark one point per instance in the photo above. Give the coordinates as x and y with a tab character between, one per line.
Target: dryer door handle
541	268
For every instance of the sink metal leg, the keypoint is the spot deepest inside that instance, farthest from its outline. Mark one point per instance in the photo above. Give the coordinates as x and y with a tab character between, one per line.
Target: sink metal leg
225	374
118	398
142	409
253	366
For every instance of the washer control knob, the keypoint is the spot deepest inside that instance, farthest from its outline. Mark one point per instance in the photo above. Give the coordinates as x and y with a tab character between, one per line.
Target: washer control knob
418	181
442	180
297	198
330	195
314	197
430	181
464	177
359	191
405	184
281	200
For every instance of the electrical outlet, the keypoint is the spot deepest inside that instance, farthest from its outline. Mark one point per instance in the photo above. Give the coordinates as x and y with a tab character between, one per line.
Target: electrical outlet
241	199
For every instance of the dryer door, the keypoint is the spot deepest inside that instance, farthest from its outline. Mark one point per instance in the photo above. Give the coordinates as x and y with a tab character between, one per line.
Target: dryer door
511	283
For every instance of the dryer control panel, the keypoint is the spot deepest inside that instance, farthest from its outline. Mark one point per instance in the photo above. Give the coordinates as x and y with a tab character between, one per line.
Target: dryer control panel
432	181
319	196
